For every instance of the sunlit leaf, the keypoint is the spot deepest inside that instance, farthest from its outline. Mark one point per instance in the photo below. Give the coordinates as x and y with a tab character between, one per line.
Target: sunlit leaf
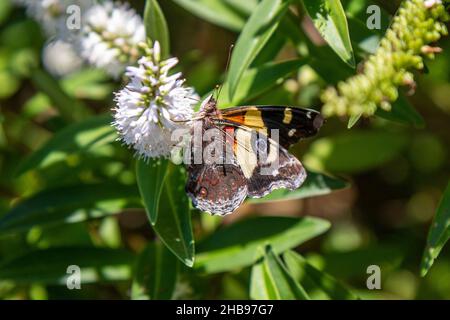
329	18
254	36
353	120
174	226
151	176
306	274
316	184
355	151
245	7
88	84
69	108
80	137
259	79
271	280
50	266
156	26
217	12
236	246
439	233
68	205
155	274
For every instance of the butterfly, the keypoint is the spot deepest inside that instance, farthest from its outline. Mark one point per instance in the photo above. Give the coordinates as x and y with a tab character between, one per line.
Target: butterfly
242	152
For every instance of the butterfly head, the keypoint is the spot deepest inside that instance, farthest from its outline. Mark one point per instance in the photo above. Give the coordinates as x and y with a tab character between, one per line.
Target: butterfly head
314	123
208	107
318	121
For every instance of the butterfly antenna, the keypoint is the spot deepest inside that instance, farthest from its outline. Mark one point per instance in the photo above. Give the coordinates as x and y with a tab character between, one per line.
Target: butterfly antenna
219	88
191	98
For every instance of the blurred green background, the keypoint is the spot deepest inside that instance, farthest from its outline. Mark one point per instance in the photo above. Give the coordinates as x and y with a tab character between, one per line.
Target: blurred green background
397	175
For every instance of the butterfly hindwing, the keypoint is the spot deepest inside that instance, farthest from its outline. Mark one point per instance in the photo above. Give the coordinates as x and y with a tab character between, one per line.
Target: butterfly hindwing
217	186
266	164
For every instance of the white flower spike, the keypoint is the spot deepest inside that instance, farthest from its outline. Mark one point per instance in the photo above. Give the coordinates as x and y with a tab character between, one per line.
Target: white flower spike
52	14
60	58
110	36
153	105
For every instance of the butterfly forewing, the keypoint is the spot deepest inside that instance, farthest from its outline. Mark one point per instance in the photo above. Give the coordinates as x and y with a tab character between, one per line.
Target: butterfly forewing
293	123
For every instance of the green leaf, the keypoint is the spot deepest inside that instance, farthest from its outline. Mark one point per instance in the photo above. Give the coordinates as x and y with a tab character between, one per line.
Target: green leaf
174	226
5	9
256	81
304	273
270	280
270	52
69	108
353	120
348	264
439	233
150	178
91	84
156	26
355	151
50	266
78	138
316	184
254	36
245	7
11	84
402	112
156	274
67	205
236	246
329	18
217	12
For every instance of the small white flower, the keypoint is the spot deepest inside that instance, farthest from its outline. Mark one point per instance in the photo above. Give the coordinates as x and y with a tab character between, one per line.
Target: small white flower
152	105
110	36
60	58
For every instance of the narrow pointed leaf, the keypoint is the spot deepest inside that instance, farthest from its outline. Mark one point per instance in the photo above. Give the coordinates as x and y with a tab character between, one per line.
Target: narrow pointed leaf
353	120
217	12
245	7
50	266
156	274
329	18
151	176
304	273
156	26
81	137
271	280
257	80
236	246
254	36
68	204
439	233
174	226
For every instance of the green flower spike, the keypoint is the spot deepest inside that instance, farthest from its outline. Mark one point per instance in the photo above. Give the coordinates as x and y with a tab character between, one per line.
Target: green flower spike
415	27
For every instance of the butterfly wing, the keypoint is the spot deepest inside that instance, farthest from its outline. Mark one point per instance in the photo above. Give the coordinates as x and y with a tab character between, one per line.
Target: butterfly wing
293	123
265	163
259	161
218	186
